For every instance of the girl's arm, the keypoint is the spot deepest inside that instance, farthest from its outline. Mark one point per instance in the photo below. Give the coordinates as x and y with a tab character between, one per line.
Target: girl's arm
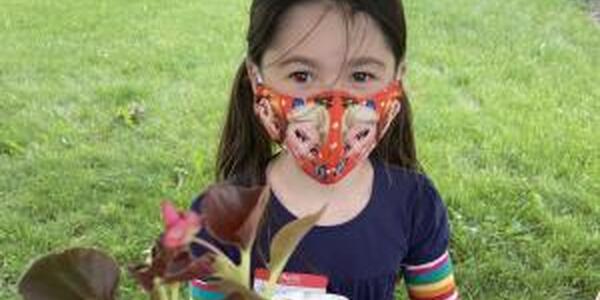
427	268
433	280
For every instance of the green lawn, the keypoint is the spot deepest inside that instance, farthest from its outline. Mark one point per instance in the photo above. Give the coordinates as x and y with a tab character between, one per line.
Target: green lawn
507	103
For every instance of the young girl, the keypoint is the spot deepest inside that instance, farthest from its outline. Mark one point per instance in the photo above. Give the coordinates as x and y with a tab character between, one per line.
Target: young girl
318	111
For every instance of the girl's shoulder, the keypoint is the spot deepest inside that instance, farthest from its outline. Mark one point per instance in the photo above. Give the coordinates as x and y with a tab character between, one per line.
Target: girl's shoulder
413	198
411	186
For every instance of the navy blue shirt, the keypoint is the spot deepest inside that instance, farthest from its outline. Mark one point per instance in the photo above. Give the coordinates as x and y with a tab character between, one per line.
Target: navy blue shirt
404	223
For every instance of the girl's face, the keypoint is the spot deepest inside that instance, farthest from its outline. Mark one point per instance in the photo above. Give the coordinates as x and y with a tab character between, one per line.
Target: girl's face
318	47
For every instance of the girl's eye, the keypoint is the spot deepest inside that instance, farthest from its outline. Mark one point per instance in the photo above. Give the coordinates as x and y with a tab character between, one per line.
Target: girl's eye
362	77
300	76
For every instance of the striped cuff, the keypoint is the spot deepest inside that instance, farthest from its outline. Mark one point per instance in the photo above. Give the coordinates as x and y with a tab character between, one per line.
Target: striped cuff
431	281
200	290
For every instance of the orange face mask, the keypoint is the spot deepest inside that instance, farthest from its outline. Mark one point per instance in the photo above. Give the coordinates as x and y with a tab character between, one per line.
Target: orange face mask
330	132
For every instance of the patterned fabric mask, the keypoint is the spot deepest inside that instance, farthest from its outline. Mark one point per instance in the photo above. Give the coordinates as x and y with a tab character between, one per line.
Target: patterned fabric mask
330	132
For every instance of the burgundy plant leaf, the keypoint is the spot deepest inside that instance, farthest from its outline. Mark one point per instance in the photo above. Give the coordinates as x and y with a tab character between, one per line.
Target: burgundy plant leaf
185	268
145	273
232	213
180	229
73	274
171	265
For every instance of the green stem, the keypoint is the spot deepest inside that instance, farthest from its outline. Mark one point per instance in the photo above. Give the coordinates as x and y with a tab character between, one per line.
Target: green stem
245	267
268	292
160	288
270	286
163	293
174	291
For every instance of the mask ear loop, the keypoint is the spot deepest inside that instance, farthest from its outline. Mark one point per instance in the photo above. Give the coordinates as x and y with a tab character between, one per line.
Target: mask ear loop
260	82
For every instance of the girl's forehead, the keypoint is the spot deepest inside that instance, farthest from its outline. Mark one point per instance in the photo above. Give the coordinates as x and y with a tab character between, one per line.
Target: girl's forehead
326	34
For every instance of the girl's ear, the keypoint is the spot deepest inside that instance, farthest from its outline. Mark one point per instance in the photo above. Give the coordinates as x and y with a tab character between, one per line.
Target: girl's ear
400	70
253	75
262	107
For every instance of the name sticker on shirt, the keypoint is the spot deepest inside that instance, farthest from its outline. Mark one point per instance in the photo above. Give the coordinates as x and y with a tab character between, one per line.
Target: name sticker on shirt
292	283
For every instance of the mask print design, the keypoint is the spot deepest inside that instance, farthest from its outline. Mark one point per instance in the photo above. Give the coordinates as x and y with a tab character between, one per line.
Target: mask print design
330	132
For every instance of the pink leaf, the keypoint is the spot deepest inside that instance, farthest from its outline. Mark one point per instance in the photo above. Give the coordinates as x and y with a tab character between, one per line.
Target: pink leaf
169	214
180	227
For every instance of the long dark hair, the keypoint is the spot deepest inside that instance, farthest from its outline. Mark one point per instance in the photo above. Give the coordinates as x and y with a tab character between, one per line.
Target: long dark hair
245	148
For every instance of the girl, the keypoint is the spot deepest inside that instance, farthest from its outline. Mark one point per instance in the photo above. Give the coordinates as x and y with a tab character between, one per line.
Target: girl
319	112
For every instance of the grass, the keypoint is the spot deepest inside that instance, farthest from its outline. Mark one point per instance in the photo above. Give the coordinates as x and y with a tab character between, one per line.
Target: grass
107	107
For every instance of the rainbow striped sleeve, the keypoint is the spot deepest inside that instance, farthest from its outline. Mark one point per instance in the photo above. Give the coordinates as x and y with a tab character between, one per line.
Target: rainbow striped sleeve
431	281
199	290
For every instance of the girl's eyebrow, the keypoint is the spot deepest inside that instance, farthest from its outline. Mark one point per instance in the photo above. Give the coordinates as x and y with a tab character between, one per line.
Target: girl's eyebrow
354	62
298	59
367	60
